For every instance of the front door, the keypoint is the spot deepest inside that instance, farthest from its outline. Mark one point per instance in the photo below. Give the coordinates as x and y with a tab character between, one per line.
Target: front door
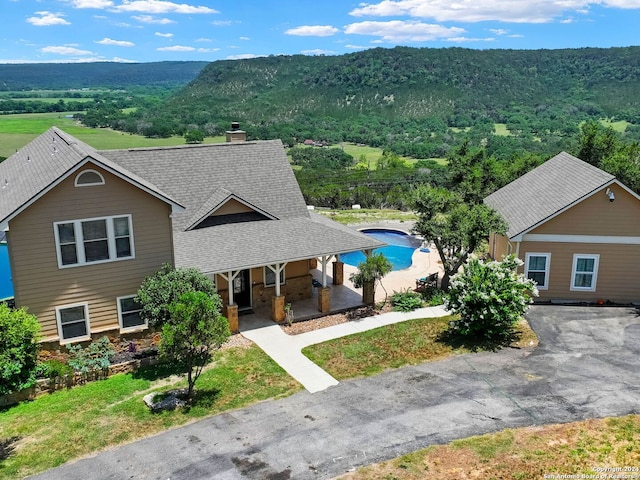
242	290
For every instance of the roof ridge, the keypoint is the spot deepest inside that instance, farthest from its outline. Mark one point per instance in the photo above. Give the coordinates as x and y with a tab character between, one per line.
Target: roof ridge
187	146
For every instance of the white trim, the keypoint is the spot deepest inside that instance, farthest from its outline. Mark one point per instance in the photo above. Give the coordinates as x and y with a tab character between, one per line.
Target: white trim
519	236
609	239
576	257
134	328
175	207
93	184
273	268
547	265
79	241
86	323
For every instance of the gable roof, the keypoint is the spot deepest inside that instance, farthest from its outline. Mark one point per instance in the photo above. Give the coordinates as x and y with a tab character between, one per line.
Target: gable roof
198	176
545	191
46	161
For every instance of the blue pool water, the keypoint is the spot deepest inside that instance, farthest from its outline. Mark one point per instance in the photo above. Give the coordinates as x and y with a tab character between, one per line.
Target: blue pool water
6	286
399	250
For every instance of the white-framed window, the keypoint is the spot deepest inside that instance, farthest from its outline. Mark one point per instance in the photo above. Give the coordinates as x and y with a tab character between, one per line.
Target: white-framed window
73	322
129	314
88	178
536	267
270	277
93	240
584	272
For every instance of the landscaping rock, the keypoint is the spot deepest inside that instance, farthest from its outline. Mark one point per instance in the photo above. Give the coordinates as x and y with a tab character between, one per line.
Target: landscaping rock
167	400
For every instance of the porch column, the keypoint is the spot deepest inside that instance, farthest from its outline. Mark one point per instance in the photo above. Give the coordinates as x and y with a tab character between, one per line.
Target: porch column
324	292
338	271
277	301
231	310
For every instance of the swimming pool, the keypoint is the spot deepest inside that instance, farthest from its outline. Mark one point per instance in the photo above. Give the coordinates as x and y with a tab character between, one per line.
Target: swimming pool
399	250
6	286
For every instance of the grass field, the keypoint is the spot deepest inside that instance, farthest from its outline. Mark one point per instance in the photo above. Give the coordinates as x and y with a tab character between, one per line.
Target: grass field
18	130
619	126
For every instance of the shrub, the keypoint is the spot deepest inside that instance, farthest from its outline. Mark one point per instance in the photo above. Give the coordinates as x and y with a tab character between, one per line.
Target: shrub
434	296
490	298
52	369
406	301
94	356
165	287
19	333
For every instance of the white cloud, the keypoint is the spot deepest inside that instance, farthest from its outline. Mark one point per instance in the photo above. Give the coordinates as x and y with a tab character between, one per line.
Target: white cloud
468	40
313	31
221	23
243	56
203	40
161	6
514	11
47	18
317	51
91	3
164	35
208	50
403	31
66	50
245	38
176	48
356	47
119	43
150	19
498	31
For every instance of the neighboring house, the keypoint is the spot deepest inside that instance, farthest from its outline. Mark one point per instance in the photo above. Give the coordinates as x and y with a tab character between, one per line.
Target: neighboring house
576	229
85	227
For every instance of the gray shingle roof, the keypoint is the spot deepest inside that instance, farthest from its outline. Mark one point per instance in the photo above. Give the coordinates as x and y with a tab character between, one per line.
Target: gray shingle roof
546	190
37	166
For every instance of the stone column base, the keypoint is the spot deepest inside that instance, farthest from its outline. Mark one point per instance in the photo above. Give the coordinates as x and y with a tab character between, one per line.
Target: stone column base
324	299
338	273
277	308
231	312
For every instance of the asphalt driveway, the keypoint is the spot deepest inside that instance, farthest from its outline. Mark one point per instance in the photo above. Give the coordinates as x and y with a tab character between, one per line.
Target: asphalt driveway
587	366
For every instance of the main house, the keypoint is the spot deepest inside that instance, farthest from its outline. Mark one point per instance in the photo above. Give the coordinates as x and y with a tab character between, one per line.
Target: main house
576	229
85	227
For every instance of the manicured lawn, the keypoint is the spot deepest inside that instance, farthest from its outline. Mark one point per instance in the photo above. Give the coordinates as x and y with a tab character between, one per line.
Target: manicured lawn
18	130
56	428
393	346
367	215
579	448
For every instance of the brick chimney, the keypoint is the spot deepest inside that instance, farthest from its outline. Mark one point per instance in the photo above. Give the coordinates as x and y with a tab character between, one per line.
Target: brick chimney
236	135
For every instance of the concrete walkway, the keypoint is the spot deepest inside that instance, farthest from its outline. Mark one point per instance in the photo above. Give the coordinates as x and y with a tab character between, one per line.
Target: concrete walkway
286	350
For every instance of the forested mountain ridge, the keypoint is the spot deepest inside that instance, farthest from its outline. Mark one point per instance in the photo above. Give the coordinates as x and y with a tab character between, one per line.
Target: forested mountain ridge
456	85
34	76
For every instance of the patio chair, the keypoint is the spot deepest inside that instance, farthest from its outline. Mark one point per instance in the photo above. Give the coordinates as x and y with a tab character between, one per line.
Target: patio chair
430	281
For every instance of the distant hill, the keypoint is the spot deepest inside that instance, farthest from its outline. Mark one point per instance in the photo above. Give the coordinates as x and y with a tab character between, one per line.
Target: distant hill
455	84
35	76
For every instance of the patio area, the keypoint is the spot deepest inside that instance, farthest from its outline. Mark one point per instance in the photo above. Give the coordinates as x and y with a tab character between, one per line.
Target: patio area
346	296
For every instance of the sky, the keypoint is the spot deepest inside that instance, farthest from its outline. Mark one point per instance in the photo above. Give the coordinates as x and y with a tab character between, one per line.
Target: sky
207	30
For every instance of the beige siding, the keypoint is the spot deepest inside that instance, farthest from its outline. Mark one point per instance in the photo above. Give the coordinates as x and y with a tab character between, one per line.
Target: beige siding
230	207
617	278
41	285
598	216
499	246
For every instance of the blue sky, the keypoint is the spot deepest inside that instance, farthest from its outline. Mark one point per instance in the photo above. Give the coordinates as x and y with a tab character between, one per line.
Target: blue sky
156	30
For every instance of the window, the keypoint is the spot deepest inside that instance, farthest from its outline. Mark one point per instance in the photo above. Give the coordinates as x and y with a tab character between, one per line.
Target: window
129	313
270	277
88	178
93	240
585	272
537	268
73	323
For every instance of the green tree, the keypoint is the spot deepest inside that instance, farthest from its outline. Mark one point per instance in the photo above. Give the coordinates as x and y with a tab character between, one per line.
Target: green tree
19	333
166	286
194	136
370	272
490	298
597	142
456	228
195	329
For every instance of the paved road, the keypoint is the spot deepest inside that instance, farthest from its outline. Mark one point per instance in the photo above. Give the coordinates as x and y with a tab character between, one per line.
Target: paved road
587	365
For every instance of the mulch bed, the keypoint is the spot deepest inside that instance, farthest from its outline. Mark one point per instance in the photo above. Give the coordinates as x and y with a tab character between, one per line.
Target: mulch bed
303	326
